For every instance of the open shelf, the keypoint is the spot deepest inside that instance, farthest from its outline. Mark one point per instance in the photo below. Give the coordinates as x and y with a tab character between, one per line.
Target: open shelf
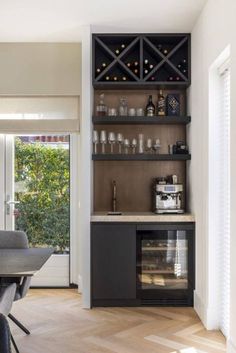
128	60
141	120
140	157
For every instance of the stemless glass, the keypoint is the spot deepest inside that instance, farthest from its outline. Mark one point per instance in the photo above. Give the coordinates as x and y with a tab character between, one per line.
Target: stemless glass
103	139
134	144
120	141
95	140
126	145
112	140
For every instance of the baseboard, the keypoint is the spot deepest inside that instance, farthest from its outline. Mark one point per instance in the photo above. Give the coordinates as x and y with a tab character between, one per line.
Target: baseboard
231	347
199	307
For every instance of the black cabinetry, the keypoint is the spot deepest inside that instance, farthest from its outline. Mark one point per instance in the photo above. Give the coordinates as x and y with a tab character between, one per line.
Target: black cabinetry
113	264
142	264
122	60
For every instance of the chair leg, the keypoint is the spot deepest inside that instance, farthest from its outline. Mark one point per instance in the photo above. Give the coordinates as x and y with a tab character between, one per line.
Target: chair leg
14	344
23	328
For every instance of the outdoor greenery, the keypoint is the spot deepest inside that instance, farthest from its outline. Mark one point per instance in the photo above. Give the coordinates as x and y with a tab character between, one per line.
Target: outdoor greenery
42	182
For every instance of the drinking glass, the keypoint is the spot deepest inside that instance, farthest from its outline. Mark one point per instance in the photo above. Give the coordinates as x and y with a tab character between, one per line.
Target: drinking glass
112	140
149	145
140	143
157	146
103	139
126	145
120	141
134	144
95	140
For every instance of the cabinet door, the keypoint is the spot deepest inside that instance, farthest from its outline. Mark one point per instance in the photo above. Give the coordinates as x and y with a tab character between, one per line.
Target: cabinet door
113	261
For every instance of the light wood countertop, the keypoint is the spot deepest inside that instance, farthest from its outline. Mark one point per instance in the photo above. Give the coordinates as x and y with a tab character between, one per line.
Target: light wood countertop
141	217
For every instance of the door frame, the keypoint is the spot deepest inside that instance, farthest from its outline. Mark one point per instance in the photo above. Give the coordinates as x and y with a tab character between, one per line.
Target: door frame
7	153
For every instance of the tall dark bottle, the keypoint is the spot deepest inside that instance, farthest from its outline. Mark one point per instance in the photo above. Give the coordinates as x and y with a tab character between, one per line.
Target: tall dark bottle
150	107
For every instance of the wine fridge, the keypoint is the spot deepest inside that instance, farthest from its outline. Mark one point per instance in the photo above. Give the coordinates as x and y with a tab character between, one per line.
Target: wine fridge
165	264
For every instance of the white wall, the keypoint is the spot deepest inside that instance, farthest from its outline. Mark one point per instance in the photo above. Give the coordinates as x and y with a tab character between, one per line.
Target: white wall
214	30
40	68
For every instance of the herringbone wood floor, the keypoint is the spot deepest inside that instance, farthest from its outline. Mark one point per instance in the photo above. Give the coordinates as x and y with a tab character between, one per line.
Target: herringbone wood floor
58	324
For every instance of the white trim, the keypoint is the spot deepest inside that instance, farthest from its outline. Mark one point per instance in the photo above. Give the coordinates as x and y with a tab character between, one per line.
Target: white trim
231	346
74	208
85	168
9	180
2	182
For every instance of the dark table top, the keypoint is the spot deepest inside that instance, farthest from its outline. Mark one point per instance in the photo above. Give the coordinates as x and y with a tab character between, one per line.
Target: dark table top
23	262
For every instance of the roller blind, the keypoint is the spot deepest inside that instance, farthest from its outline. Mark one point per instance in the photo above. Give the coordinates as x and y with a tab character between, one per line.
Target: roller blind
224	197
39	114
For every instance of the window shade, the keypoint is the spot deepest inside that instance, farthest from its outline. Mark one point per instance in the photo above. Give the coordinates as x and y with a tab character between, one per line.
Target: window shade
35	114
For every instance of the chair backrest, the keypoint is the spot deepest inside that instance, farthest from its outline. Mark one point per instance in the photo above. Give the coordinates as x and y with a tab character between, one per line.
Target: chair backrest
5	335
13	239
7	296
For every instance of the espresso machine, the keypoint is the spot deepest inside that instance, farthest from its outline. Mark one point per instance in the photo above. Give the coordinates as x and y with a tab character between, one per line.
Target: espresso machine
168	195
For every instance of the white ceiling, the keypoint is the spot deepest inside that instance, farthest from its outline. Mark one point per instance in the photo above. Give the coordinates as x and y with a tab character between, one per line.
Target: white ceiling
62	20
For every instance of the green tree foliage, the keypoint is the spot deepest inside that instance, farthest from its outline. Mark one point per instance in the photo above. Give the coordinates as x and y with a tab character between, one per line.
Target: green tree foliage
42	179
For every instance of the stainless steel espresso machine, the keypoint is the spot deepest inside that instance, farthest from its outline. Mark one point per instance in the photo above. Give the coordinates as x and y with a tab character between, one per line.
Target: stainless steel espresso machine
168	195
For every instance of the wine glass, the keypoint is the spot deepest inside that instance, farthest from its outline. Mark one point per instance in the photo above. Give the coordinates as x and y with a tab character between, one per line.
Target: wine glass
95	140
149	145
112	140
126	145
140	143
157	146
103	139
120	141
133	145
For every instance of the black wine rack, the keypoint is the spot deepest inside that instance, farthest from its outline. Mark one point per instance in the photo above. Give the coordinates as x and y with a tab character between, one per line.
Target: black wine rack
132	60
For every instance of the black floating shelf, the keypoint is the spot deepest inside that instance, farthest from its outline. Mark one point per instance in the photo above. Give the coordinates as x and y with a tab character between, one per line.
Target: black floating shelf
141	157
141	120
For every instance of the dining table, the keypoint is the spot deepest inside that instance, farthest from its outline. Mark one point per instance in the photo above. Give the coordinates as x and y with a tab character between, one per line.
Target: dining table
23	262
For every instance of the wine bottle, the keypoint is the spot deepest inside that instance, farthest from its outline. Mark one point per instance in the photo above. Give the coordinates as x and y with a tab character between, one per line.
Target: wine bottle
184	61
171	78
145	61
151	66
124	78
104	65
136	63
165	51
136	71
179	66
177	78
152	78
115	78
128	64
98	70
145	71
117	51
122	46
107	78
150	107
161	104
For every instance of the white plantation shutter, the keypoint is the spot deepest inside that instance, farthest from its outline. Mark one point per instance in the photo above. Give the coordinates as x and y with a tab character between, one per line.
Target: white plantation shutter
223	197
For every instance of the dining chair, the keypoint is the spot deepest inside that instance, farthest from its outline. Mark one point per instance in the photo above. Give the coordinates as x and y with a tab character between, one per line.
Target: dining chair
7	295
16	240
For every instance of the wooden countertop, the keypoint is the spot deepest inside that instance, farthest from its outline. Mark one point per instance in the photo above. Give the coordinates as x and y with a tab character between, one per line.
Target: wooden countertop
141	217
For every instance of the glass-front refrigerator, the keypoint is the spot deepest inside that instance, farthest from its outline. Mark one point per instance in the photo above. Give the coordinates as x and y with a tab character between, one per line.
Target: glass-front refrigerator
165	265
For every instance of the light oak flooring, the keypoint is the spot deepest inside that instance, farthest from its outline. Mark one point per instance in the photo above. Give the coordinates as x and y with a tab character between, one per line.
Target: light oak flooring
58	324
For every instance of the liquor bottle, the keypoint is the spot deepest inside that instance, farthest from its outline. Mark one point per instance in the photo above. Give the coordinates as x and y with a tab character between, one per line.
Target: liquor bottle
161	104
150	107
101	108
